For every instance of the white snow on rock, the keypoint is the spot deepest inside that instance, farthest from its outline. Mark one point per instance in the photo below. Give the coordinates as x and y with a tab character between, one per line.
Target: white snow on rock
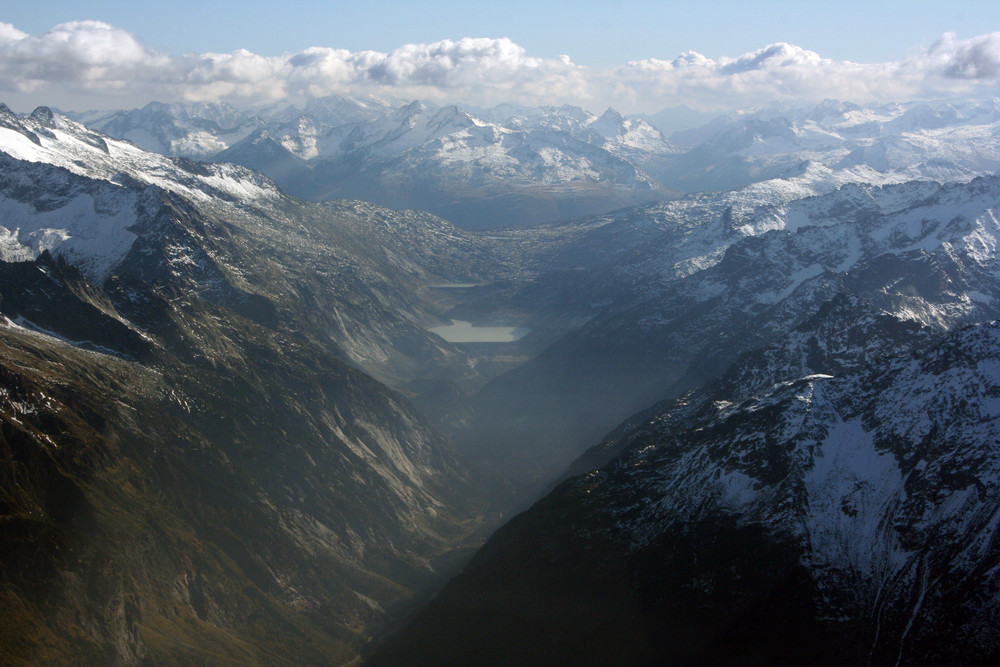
88	224
95	241
72	146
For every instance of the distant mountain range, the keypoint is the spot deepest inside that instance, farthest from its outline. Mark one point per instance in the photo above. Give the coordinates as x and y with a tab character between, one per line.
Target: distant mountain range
517	166
947	140
509	165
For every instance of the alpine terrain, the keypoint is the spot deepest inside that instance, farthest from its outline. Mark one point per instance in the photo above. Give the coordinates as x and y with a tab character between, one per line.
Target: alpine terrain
506	166
270	376
194	468
817	483
844	517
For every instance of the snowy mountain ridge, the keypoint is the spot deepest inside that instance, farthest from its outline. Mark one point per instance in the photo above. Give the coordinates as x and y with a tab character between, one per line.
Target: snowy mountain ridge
100	203
944	141
693	284
536	162
416	155
90	224
55	139
888	481
777	513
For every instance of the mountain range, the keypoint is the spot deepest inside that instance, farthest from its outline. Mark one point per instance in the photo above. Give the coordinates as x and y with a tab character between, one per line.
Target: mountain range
517	166
507	166
753	422
844	518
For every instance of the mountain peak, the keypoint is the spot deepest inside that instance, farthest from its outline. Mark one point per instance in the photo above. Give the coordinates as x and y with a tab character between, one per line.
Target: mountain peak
610	124
11	121
611	113
413	108
44	116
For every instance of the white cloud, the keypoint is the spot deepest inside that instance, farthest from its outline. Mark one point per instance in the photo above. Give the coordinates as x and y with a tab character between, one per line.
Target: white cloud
77	52
776	72
94	61
977	58
9	33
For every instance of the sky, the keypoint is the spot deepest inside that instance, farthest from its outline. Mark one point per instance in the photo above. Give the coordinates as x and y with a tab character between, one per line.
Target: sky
635	56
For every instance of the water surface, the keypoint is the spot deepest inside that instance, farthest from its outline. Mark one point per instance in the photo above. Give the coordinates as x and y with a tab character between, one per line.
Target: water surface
463	332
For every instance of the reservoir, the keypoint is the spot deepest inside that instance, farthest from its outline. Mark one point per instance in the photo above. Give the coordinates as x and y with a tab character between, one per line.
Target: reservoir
463	332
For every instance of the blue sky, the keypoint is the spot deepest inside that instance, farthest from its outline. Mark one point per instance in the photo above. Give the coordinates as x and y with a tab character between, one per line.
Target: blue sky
601	38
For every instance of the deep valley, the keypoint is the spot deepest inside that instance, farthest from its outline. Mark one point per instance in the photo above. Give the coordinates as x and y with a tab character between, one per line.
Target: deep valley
731	397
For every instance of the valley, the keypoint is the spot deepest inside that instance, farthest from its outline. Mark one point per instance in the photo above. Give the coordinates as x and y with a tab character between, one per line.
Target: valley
241	416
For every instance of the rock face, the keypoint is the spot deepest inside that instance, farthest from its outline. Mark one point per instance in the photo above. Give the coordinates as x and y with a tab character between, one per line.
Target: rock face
794	519
191	471
246	500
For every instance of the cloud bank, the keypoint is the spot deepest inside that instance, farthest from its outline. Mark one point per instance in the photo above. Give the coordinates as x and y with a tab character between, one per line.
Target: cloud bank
90	62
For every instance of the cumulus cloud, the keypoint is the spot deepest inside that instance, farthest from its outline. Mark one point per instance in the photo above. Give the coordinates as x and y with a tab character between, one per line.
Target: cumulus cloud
95	61
772	57
776	72
81	52
9	33
97	58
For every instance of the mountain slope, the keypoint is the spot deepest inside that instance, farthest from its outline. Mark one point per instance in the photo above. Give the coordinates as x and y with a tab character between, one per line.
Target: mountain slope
700	281
204	476
254	489
820	519
354	271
